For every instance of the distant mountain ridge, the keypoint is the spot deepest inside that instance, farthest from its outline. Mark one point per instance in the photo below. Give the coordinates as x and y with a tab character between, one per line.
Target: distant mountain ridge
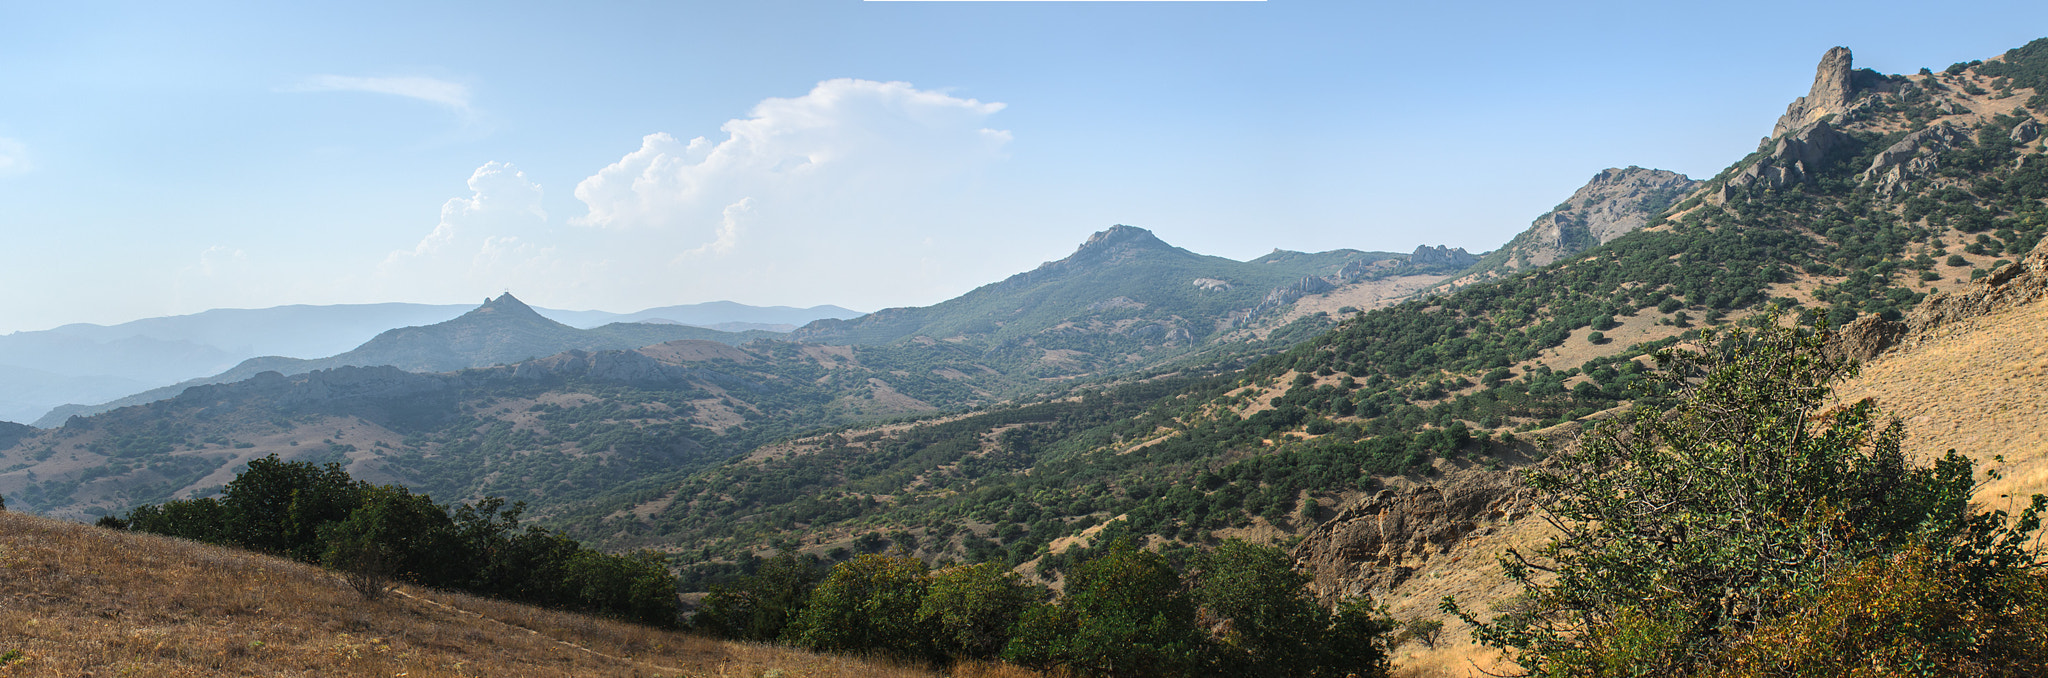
1122	282
502	330
88	363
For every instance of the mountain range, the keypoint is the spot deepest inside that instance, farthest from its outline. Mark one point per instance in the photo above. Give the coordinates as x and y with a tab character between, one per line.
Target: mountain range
87	363
1135	389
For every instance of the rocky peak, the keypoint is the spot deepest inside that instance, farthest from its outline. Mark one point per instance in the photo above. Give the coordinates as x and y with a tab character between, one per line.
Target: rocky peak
1441	256
1615	202
1121	237
1830	94
506	305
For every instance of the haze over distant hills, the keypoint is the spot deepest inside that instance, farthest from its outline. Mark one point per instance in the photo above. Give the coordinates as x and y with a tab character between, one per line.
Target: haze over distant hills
88	363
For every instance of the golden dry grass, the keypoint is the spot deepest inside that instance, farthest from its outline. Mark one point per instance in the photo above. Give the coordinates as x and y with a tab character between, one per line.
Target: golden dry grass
77	600
1979	387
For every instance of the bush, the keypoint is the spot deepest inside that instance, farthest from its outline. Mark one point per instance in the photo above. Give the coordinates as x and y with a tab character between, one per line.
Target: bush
868	604
1901	615
1687	527
1125	614
972	609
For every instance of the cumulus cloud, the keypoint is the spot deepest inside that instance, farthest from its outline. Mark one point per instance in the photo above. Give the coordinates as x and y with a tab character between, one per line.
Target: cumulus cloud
493	237
500	196
452	95
845	139
842	195
13	158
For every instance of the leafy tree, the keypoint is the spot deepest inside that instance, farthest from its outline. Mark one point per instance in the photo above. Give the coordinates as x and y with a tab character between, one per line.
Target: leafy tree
868	604
1266	624
278	507
760	606
1906	614
393	534
1685	528
1125	614
972	609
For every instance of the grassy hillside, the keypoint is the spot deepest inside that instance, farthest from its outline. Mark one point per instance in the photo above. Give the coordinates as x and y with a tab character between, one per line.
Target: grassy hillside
1392	394
78	600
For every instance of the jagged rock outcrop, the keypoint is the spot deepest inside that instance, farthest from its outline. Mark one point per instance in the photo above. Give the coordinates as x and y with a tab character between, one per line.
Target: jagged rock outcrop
2010	286
1797	158
1282	296
1866	337
1832	89
1614	203
1377	542
1913	156
2026	132
1441	257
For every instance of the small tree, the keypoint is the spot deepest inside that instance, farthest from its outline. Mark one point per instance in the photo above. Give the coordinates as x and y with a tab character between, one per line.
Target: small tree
973	608
868	604
760	606
1425	631
1125	614
1681	529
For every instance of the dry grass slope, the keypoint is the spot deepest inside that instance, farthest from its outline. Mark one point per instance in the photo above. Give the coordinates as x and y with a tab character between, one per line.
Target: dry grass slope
83	601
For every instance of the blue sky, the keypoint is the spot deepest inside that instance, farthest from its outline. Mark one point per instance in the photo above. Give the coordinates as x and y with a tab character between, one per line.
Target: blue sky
158	160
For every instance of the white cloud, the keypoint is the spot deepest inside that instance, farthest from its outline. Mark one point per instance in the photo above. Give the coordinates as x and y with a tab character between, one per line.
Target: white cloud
13	158
499	194
844	138
452	95
842	195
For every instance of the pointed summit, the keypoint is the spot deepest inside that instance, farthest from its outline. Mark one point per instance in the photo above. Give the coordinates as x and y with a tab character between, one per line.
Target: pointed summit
506	304
1829	96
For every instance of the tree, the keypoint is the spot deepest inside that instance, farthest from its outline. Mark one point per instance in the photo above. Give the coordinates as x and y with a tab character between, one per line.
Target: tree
1125	614
279	507
868	604
1264	623
973	608
761	606
1681	529
394	534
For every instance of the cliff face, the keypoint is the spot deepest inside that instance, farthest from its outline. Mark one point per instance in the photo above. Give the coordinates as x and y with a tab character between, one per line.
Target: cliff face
1614	203
1830	95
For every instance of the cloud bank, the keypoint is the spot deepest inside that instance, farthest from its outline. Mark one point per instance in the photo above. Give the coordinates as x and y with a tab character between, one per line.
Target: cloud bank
852	191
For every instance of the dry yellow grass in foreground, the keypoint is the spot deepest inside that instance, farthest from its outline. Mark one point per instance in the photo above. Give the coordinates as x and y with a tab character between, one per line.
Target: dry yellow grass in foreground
83	601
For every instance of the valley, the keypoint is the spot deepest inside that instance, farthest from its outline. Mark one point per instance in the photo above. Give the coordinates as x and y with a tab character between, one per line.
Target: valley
1374	416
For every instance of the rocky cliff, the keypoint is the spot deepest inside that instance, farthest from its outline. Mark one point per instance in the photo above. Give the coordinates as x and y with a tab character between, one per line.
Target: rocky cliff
1613	203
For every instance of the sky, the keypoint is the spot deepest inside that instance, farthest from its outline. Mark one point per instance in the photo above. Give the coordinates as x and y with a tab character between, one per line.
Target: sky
167	158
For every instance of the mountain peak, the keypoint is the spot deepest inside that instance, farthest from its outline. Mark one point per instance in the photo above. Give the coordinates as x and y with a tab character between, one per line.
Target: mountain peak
1829	96
1121	236
506	304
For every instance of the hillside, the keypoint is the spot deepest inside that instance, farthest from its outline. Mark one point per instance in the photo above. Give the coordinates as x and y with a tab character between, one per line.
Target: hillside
81	601
1123	296
1613	203
1820	223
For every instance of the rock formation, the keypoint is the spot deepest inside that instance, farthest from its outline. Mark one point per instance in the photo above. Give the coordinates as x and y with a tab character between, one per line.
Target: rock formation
1377	542
1830	95
1797	158
1913	156
1614	203
1441	257
2010	286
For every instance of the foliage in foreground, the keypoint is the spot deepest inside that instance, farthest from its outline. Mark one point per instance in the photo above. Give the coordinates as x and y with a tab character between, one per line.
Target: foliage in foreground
1748	529
1240	610
373	534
